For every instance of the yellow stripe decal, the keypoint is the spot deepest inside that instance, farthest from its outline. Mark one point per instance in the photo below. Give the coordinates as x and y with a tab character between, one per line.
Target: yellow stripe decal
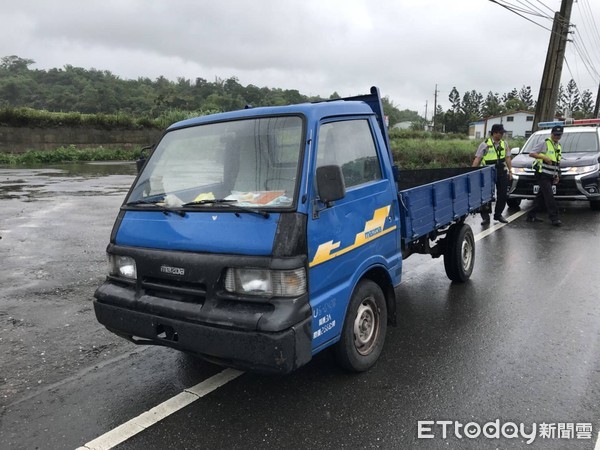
373	230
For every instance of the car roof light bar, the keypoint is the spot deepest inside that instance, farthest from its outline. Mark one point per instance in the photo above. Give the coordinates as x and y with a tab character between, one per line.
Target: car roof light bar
551	124
583	122
569	122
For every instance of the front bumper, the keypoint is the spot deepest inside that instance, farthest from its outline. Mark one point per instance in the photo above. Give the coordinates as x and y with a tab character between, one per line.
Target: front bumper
118	309
571	187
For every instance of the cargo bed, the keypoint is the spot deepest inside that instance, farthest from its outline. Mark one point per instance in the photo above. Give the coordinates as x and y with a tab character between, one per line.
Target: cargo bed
431	199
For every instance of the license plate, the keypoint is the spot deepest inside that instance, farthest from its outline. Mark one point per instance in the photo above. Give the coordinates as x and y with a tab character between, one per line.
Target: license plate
536	188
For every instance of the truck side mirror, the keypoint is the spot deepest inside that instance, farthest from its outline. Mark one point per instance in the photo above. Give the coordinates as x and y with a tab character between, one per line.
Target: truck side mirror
139	163
330	184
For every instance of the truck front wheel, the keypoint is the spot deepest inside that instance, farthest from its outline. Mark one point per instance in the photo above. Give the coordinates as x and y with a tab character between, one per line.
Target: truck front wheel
364	329
459	257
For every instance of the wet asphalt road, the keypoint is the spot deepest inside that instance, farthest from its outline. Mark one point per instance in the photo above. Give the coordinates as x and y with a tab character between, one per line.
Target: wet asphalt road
520	342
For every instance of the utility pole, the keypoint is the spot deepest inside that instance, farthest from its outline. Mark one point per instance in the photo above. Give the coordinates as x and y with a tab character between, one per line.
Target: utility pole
425	115
548	95
435	104
597	104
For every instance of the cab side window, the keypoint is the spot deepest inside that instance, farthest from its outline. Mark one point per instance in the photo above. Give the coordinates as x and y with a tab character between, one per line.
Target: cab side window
350	145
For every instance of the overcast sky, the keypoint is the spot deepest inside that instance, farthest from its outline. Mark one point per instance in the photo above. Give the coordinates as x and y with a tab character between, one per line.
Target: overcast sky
315	46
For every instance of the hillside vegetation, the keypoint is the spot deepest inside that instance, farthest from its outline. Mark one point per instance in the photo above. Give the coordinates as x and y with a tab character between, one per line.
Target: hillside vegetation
411	150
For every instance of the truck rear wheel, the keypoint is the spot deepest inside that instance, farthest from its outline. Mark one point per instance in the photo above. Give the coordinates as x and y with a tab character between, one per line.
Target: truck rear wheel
365	325
459	257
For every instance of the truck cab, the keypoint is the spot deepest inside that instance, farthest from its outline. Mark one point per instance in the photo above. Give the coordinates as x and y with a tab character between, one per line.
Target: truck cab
225	249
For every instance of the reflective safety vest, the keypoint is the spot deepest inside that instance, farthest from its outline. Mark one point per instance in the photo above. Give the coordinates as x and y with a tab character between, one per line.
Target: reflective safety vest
554	153
494	155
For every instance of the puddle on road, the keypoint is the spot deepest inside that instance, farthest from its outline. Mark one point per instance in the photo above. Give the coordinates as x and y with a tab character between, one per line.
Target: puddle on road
30	183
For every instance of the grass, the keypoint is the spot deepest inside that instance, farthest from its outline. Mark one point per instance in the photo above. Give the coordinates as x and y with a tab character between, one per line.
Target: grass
69	154
409	153
432	154
435	154
29	117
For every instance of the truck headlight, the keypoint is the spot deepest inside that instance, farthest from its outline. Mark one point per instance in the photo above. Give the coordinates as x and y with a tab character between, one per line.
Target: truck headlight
122	266
517	170
271	283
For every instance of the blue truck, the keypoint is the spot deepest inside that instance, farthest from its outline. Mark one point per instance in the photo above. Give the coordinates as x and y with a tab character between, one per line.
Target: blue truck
257	238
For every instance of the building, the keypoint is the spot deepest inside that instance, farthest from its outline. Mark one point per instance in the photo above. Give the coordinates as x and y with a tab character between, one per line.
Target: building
516	124
406	125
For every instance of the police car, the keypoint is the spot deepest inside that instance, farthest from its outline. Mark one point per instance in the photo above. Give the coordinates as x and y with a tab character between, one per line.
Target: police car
579	166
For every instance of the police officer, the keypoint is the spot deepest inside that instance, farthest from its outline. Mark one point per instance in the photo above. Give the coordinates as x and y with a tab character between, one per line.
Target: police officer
495	152
546	166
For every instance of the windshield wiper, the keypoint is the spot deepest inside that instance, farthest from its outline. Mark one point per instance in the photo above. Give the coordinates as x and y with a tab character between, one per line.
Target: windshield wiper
142	202
207	201
228	203
166	211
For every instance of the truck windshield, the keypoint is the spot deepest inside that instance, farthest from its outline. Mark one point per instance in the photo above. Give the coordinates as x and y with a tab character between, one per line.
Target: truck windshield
251	162
579	141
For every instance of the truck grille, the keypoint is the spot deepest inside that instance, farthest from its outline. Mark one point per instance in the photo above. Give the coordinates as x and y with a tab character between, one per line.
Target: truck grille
175	290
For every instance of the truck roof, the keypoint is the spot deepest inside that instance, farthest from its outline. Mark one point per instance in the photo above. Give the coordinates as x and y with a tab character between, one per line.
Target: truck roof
310	110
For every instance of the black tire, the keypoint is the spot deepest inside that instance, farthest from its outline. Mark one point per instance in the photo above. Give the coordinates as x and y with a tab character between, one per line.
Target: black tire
365	325
459	257
513	202
595	205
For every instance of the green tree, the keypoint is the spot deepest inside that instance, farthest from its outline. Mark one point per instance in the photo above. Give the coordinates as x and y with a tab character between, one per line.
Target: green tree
391	111
561	106
419	124
527	98
587	105
515	104
471	105
438	118
454	98
491	105
571	98
292	96
510	95
14	64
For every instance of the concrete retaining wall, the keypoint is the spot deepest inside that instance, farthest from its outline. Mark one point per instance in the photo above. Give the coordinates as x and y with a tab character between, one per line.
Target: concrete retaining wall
21	139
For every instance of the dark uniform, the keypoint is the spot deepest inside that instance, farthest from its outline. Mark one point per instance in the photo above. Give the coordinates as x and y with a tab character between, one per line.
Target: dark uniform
546	175
494	152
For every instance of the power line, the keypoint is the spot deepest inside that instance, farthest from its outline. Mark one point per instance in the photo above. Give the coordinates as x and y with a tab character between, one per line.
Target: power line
586	60
533	8
545	6
589	26
521	15
569	68
590	17
587	33
527	7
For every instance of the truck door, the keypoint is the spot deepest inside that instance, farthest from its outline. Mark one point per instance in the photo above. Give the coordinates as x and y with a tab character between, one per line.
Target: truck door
357	231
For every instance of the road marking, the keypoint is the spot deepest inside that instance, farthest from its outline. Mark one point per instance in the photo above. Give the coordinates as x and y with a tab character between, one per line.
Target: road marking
499	225
145	420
